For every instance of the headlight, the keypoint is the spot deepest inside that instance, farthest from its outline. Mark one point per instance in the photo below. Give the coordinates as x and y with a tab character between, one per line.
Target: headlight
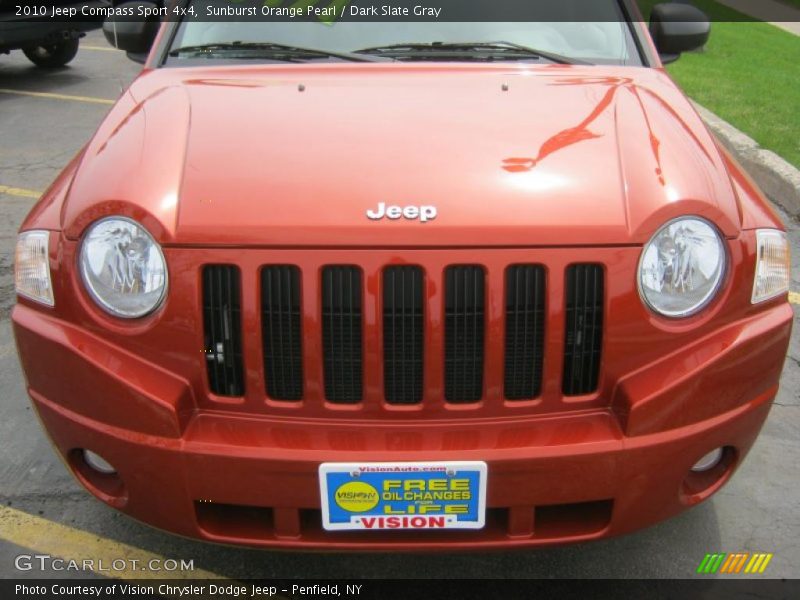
682	267
772	265
123	268
32	267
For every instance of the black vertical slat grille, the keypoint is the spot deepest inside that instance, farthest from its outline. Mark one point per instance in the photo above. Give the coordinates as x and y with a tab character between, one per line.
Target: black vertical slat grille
222	321
583	329
281	331
403	334
464	333
341	333
524	343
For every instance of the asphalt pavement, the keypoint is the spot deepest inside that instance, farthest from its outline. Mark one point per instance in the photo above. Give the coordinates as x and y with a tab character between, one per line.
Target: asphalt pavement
758	511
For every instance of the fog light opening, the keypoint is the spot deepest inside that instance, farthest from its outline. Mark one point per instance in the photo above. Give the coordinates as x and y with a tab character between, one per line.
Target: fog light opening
709	461
708	475
99	476
98	463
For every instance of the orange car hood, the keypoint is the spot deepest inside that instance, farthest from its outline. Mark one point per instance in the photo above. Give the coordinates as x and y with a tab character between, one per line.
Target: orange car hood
509	155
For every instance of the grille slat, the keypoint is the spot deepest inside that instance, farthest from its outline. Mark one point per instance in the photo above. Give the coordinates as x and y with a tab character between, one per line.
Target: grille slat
403	334
595	344
524	343
341	334
282	332
464	333
223	330
584	329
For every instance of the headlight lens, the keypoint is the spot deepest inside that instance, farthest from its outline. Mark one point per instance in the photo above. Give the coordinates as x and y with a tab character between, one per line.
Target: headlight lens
682	267
772	265
123	267
32	267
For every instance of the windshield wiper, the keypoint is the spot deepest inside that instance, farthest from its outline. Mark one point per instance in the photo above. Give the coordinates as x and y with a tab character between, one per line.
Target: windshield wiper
506	50
266	49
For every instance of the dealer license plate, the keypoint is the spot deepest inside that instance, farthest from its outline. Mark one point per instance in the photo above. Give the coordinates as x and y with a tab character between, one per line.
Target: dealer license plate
419	495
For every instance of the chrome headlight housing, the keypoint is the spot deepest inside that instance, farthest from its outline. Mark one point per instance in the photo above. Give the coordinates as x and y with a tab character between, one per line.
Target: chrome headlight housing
682	267
123	268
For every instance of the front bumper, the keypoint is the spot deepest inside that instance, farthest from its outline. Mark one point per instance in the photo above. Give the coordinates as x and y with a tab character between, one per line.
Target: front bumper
553	478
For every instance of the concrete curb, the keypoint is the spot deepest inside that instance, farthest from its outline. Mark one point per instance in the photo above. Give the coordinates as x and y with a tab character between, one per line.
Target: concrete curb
778	179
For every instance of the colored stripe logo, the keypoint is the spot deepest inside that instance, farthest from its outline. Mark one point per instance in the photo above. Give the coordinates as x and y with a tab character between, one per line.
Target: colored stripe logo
734	563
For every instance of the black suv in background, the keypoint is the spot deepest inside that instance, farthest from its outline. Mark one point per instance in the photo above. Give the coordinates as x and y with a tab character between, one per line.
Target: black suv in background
48	42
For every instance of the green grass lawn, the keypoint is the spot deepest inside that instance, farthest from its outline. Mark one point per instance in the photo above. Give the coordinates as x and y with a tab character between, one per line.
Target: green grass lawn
748	74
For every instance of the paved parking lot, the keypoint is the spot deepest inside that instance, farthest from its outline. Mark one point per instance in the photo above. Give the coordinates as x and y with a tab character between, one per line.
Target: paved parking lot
45	117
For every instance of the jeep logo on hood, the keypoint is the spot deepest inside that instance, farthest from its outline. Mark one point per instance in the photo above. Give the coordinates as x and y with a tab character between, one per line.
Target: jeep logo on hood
394	212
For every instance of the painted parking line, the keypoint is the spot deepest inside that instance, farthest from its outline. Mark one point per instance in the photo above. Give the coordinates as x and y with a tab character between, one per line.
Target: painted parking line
101	48
19	192
52	96
101	555
794	298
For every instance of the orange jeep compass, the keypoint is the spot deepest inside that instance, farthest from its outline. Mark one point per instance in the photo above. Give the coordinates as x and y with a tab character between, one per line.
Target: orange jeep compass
402	282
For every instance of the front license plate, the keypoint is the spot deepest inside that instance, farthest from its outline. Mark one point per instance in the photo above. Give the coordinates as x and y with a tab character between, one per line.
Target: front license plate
419	495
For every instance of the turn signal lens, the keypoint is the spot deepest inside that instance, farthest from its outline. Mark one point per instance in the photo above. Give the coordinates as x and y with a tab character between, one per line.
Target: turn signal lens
772	265
32	267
